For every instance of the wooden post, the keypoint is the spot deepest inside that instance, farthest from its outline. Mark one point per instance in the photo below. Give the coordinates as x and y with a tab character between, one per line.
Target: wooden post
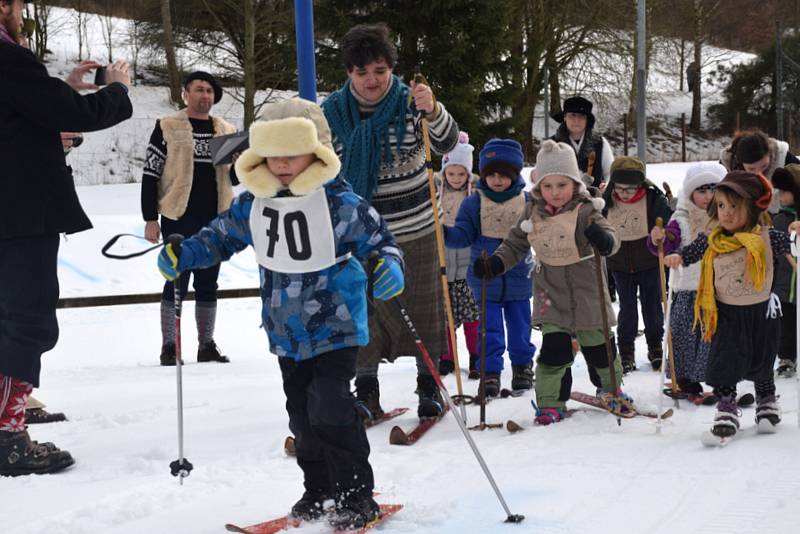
683	137
624	134
738	122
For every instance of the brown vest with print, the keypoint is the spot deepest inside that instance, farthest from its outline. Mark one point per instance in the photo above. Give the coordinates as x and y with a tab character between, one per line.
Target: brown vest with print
629	220
731	283
497	218
553	238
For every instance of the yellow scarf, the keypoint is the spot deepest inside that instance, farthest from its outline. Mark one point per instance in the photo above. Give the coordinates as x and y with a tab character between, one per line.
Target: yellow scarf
705	305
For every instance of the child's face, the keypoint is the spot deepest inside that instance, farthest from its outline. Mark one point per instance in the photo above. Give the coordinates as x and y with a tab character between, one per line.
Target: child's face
626	191
786	198
557	190
702	196
456	176
732	214
498	182
286	168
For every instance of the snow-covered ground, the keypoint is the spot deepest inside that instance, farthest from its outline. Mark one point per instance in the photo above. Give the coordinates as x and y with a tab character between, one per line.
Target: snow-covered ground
583	475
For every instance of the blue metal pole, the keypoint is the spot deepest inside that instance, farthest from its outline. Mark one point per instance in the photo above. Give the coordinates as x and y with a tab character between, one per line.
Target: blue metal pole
306	67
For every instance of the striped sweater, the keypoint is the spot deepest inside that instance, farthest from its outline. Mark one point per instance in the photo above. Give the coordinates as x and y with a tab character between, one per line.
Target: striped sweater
402	197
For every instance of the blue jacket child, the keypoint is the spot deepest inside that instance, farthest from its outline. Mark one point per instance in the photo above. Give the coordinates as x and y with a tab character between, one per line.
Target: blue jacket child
309	231
483	220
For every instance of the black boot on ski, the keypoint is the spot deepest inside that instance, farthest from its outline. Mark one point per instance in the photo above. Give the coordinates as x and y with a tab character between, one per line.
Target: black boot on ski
492	385
168	354
474	367
369	397
430	399
628	359
354	512
767	409
311	506
726	420
522	377
786	368
446	367
656	355
19	455
210	352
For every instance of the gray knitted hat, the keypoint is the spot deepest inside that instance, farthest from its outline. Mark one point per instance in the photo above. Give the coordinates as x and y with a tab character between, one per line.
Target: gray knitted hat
555	159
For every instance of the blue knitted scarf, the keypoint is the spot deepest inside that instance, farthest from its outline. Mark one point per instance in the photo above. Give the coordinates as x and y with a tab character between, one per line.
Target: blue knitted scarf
364	139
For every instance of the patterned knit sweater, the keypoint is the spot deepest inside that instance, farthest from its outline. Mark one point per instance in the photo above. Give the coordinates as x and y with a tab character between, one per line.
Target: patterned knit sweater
402	197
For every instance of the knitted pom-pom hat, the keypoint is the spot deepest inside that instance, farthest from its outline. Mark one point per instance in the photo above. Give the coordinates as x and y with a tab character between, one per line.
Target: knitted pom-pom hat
700	174
503	156
461	154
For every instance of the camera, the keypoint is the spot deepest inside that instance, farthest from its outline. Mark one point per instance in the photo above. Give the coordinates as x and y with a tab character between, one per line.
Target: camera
100	76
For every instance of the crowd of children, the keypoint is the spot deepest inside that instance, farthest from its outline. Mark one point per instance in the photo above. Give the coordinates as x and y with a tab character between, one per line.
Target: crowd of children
320	247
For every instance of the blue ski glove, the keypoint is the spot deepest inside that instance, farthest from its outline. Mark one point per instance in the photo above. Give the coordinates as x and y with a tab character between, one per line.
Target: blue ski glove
387	279
169	256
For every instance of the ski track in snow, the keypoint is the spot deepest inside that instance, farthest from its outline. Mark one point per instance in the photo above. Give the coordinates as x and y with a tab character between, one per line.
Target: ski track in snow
585	474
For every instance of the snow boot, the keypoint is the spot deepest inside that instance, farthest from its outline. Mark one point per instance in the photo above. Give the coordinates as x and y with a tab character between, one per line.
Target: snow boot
168	354
354	512
311	506
656	355
369	397
474	367
786	368
19	455
726	420
522	376
430	398
492	385
767	409
628	359
446	367
35	416
548	416
210	352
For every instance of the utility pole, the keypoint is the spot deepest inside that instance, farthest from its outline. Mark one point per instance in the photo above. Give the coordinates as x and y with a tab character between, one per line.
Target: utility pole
779	79
306	67
641	85
546	102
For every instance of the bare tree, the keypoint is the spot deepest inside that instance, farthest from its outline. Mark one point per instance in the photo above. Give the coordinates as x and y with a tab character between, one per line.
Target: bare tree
704	11
135	40
169	50
107	25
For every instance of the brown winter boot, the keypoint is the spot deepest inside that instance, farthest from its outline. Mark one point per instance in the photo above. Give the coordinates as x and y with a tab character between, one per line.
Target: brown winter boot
19	455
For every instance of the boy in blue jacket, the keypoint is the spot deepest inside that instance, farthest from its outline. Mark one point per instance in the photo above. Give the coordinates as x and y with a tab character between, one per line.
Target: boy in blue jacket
309	231
483	221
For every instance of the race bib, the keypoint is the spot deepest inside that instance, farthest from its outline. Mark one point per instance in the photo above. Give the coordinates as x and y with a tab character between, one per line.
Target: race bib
293	234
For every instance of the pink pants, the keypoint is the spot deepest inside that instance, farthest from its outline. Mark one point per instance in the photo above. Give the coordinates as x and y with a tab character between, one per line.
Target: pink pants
471	334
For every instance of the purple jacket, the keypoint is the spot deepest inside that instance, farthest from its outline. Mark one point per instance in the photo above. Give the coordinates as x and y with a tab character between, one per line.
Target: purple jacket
672	243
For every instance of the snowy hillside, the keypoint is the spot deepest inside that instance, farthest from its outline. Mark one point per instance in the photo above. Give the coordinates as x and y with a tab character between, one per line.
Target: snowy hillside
584	475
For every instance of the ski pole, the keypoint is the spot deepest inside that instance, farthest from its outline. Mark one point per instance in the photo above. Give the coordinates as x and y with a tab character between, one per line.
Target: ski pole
114	239
795	248
181	467
418	78
511	518
662	374
601	287
482	386
665	303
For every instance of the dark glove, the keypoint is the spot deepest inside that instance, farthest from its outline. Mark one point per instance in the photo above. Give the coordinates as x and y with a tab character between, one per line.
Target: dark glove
488	268
600	238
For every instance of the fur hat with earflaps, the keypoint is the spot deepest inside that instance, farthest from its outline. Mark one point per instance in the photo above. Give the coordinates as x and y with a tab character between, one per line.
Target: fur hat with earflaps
290	127
788	179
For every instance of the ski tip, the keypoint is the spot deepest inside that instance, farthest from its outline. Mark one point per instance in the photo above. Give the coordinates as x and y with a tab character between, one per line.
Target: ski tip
513	427
710	440
764	426
746	400
669	413
233	528
289	446
397	436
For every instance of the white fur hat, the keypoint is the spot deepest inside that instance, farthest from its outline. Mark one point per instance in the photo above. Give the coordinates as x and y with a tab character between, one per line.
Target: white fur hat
291	127
702	173
556	159
460	155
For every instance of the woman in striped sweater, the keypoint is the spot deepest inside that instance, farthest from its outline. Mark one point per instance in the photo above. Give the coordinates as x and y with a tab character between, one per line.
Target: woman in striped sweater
376	121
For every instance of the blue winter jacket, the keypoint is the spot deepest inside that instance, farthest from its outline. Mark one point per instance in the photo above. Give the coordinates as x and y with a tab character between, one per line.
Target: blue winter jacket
305	314
514	284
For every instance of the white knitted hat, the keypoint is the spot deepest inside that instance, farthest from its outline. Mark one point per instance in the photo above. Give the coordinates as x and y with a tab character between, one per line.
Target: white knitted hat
460	155
702	173
556	159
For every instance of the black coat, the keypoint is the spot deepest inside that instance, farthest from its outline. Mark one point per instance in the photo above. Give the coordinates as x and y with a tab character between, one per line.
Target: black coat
37	192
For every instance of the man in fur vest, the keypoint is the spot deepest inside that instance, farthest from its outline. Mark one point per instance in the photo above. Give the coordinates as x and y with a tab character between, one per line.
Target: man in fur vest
182	185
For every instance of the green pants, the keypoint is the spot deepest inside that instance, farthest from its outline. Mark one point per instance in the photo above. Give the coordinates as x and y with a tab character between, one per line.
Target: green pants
554	364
